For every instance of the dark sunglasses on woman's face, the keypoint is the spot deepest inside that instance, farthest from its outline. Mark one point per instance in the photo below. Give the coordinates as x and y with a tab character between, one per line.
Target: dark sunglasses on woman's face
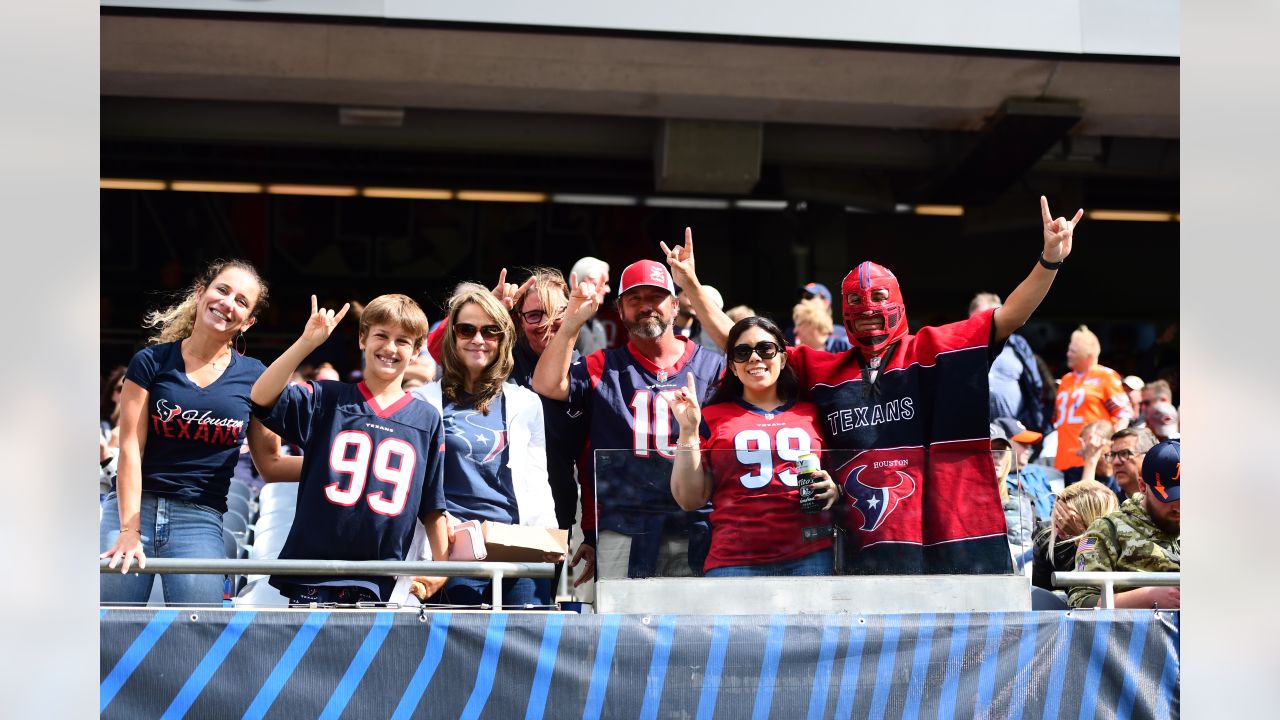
466	331
765	349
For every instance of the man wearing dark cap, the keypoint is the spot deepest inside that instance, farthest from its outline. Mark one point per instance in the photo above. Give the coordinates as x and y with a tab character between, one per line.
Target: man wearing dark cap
1029	479
1144	535
818	295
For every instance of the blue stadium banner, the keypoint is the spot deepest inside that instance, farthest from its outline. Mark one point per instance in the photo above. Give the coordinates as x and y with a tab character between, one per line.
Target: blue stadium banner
358	664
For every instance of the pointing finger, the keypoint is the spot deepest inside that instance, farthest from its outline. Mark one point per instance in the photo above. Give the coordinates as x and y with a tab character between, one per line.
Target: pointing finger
665	250
1079	214
692	386
1045	215
533	279
502	278
688	239
573	281
314	305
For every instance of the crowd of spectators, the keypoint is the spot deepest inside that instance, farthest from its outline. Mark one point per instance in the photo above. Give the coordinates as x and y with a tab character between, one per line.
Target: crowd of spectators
701	415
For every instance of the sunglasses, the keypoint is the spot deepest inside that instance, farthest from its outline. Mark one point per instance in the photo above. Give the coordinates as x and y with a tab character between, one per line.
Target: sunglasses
765	349
535	317
466	331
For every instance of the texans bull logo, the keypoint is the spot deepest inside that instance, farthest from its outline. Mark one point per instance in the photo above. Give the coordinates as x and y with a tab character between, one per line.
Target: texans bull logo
167	412
875	504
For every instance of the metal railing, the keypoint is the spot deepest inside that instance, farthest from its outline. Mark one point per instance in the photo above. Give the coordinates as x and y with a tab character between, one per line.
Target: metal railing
496	571
1109	581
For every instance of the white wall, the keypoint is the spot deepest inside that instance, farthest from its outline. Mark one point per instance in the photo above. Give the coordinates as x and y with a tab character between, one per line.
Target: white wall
1107	27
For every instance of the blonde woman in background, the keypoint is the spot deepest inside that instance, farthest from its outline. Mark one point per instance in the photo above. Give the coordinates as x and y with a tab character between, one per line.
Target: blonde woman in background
1074	511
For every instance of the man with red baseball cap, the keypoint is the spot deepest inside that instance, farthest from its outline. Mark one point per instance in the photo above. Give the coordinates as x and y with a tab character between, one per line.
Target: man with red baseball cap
907	415
1144	535
625	393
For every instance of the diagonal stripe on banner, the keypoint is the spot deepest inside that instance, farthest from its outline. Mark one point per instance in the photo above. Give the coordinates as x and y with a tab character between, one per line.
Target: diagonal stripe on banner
951	682
285	665
1137	643
546	667
1097	656
488	663
1058	668
987	671
426	667
852	664
822	674
1168	682
884	669
769	667
358	667
658	667
133	657
715	663
208	665
919	665
600	669
1023	670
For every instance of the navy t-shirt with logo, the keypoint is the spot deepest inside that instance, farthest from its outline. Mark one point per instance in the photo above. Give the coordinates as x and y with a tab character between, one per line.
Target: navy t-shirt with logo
193	433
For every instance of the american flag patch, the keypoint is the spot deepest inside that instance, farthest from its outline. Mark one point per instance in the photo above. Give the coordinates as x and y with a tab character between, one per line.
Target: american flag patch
1086	544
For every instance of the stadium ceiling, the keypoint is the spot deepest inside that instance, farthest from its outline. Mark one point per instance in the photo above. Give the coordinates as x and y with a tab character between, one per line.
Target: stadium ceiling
369	103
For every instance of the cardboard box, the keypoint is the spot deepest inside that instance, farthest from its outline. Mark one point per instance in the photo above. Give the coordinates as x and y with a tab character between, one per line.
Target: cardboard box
520	543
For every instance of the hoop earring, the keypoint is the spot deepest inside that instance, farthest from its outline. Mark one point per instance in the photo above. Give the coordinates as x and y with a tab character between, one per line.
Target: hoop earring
241	343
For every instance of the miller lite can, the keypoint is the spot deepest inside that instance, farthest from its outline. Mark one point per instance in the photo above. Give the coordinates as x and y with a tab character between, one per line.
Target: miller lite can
807	468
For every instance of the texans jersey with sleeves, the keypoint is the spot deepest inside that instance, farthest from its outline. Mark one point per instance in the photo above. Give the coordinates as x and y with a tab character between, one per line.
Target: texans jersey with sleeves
1095	394
193	433
911	447
626	400
368	475
755	504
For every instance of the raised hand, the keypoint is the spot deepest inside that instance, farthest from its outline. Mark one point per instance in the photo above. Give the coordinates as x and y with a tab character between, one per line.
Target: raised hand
680	260
322	322
1057	233
507	293
584	300
686	409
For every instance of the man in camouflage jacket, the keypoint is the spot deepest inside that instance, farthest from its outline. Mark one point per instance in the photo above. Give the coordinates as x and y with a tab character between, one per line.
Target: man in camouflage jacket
1142	536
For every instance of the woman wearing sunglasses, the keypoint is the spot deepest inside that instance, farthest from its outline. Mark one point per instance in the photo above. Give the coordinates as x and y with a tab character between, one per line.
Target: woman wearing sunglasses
495	461
750	435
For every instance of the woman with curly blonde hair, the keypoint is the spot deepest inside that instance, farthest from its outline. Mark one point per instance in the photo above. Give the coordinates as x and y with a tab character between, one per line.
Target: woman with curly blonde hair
1075	509
184	414
495	462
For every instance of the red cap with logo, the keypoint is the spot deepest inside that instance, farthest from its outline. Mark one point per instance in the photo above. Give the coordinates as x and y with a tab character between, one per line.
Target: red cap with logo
646	272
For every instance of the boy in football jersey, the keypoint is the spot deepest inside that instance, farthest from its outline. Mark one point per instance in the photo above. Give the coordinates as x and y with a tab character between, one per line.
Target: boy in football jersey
372	455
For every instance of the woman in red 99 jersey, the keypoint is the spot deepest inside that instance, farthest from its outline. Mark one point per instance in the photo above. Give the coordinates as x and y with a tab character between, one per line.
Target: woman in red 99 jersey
740	452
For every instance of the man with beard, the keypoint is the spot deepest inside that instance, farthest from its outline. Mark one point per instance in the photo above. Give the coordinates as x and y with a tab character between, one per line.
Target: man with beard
1144	535
625	394
906	415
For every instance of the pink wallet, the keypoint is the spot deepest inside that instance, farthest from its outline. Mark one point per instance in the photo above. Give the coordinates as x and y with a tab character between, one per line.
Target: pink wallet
468	541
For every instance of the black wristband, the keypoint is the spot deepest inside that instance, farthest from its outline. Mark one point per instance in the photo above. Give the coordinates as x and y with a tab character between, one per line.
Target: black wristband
1049	265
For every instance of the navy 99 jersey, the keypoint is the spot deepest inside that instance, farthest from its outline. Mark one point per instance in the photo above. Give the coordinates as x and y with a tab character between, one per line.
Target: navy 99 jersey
755	504
627	401
368	474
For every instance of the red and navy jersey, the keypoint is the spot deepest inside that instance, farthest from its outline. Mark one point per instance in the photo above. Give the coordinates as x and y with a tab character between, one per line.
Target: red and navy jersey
368	474
193	433
911	447
755	505
632	432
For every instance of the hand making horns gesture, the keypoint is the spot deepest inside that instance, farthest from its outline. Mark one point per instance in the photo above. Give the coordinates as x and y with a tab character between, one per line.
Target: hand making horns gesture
1057	233
322	322
507	293
680	259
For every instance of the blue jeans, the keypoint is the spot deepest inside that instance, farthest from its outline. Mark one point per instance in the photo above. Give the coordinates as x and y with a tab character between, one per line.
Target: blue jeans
475	591
818	563
170	529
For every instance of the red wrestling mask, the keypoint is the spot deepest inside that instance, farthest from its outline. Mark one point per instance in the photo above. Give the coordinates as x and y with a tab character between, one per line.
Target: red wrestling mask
874	313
